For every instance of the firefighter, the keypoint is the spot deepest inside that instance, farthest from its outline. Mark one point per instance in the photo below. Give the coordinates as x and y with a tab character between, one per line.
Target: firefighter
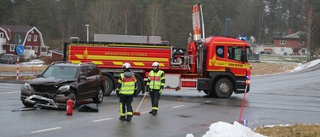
125	91
155	85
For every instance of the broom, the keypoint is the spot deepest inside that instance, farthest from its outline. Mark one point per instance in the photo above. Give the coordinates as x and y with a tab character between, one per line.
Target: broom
137	112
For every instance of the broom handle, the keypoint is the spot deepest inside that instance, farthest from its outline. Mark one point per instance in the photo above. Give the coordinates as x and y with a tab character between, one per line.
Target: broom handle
145	94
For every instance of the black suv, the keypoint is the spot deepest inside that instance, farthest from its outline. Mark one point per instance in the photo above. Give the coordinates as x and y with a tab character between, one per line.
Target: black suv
62	81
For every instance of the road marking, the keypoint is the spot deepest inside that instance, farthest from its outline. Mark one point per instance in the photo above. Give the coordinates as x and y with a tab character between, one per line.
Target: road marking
44	130
8	92
178	106
98	120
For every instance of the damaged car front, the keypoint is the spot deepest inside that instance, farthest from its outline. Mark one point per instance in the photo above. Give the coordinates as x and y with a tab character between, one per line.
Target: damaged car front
51	89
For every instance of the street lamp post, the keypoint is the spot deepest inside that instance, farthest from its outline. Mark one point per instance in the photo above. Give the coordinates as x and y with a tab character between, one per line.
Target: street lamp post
87	25
226	26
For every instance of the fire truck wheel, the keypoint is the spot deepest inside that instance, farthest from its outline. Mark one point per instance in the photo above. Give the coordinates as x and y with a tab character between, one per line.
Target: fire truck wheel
223	88
108	86
140	84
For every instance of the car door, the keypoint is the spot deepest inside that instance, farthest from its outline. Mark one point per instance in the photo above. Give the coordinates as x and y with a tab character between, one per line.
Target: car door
93	78
85	83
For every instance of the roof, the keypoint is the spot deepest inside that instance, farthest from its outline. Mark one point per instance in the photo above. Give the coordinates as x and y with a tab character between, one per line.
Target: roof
12	30
252	44
296	35
56	51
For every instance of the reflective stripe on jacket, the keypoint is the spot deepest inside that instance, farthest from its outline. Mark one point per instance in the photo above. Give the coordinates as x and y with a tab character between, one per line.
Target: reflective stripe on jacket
127	85
156	80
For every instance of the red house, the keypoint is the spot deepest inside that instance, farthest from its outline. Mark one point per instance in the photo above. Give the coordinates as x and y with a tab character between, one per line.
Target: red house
295	42
27	36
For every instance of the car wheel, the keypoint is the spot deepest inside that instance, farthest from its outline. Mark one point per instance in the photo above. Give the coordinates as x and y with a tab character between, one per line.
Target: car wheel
99	97
27	104
223	88
108	85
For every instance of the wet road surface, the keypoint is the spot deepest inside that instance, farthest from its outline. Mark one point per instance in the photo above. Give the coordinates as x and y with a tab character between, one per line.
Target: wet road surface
279	99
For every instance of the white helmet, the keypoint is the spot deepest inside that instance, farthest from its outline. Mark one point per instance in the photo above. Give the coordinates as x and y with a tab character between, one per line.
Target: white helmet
155	64
126	65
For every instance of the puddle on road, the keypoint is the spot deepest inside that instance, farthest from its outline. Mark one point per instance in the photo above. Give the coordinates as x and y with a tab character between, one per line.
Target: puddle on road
184	116
25	109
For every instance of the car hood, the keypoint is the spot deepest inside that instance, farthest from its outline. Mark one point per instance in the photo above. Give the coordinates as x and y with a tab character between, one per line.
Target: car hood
49	81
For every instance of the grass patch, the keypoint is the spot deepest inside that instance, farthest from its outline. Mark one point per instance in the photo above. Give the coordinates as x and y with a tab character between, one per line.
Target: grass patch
23	68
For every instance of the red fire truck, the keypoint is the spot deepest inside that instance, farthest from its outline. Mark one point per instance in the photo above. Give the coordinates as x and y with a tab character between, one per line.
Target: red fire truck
216	65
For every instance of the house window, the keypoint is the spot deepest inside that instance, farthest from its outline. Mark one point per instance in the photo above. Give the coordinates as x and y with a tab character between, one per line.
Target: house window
282	42
301	43
282	49
36	49
1	35
29	38
35	38
12	48
43	49
28	47
32	32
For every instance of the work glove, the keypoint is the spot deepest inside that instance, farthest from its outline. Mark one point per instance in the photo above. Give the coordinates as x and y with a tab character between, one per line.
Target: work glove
117	93
147	89
161	89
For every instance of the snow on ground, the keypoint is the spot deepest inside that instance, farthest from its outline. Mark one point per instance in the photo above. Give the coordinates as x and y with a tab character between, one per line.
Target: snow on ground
307	65
223	129
36	62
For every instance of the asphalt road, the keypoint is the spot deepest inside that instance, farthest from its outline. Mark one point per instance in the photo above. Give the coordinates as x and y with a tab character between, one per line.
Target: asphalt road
278	99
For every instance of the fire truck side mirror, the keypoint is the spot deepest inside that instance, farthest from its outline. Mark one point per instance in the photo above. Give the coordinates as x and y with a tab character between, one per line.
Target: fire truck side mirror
243	58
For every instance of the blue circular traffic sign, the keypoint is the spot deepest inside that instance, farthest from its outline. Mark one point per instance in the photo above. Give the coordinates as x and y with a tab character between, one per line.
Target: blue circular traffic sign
19	49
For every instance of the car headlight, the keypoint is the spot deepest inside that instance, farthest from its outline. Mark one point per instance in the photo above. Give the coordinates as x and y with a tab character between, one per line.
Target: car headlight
26	86
64	88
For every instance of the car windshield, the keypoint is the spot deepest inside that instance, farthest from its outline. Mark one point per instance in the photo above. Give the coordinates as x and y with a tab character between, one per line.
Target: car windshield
60	72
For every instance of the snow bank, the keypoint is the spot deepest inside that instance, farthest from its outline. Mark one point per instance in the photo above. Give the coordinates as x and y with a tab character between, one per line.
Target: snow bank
306	65
223	129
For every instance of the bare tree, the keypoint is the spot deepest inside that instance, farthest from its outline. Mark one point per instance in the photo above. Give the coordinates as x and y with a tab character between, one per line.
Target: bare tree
125	12
155	19
310	31
102	16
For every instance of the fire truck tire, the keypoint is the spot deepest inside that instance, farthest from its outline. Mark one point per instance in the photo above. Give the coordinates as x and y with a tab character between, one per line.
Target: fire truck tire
223	88
109	86
140	84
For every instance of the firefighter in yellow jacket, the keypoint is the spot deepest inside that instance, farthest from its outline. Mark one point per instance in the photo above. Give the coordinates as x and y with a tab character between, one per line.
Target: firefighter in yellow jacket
125	91
155	85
